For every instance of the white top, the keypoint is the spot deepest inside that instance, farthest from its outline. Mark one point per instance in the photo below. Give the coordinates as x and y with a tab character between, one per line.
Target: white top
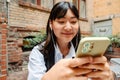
36	65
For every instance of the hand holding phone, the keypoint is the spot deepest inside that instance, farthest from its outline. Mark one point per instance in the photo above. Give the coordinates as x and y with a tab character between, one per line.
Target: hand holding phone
92	46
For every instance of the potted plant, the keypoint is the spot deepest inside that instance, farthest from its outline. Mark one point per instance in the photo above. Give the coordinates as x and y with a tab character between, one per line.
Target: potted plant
115	42
30	42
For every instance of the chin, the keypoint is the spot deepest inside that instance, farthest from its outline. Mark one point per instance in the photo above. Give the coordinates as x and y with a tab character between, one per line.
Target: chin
68	39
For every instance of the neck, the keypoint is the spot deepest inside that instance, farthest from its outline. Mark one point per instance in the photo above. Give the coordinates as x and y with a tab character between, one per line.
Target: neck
64	48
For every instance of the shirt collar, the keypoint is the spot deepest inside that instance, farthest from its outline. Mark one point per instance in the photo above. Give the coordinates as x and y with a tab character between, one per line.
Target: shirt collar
58	54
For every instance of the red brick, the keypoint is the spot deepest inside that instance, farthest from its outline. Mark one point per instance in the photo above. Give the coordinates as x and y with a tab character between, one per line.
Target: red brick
3	62
20	42
3	77
3	51
3	31
4	72
3	46
3	67
3	57
4	41
4	25
4	36
14	45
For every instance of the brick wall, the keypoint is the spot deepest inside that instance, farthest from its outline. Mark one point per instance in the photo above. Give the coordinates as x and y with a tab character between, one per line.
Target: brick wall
24	15
23	21
3	50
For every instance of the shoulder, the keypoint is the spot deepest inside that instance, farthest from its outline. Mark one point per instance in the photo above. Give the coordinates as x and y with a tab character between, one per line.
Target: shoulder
37	50
39	47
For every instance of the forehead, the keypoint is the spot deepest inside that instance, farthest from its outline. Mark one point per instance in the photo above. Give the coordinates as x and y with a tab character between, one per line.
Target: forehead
69	14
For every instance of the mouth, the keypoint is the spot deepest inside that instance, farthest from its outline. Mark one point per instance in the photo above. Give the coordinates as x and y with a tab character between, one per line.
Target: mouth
67	33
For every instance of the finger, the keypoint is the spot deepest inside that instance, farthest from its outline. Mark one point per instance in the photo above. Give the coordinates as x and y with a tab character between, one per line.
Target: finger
101	59
78	78
95	79
103	75
97	66
81	71
79	61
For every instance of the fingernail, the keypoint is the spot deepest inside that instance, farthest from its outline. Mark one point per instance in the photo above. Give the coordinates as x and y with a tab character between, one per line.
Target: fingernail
91	59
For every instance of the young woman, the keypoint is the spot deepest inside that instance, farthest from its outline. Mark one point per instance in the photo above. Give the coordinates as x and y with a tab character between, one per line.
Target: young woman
53	59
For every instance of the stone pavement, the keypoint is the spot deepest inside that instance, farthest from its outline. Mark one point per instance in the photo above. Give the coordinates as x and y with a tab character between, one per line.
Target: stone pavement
20	72
20	75
115	67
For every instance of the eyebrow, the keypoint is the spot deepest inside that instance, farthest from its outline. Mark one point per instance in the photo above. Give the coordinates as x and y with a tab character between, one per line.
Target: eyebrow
73	17
70	17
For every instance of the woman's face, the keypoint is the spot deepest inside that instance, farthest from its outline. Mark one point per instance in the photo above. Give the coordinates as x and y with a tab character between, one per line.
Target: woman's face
65	28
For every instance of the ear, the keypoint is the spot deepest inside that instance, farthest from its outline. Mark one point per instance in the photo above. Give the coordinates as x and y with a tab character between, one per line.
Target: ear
50	25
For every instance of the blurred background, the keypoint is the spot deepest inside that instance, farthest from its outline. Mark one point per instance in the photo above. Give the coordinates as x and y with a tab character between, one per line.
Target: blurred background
23	22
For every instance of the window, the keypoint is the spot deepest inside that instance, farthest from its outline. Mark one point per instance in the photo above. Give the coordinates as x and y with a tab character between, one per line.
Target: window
32	1
47	3
43	3
75	2
81	5
102	28
82	9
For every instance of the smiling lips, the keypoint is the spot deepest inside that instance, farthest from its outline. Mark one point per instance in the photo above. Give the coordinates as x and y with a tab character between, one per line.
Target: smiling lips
67	33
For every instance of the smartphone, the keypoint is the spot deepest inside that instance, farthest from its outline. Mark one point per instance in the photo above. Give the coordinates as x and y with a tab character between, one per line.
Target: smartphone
92	46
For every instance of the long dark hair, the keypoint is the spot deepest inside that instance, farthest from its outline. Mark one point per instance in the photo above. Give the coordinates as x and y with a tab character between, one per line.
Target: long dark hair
58	11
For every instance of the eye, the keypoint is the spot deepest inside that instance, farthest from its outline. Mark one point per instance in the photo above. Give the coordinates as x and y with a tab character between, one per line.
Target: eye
61	22
73	22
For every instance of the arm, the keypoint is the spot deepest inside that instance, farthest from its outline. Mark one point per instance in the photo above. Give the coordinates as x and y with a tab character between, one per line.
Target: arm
36	65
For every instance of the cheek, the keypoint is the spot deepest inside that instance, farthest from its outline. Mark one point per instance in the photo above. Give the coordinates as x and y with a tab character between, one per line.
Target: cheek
56	31
76	29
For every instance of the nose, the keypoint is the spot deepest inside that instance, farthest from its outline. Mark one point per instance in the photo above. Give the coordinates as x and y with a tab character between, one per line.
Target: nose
68	26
